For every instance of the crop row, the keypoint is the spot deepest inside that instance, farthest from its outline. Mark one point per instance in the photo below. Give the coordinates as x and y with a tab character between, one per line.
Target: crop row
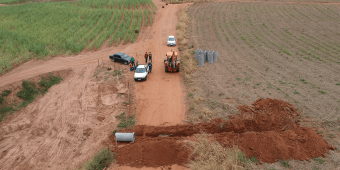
50	28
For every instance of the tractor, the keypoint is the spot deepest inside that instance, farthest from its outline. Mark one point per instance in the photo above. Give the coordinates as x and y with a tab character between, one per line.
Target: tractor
171	63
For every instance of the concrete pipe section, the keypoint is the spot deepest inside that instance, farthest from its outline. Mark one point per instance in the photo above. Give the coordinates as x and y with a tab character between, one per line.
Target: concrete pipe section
125	137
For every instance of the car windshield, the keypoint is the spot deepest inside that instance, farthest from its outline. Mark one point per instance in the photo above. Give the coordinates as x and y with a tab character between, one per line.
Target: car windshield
140	70
124	56
171	39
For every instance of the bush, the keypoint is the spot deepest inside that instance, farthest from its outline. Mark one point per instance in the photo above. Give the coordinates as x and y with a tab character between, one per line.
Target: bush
100	160
4	110
28	92
47	83
130	122
1	99
6	92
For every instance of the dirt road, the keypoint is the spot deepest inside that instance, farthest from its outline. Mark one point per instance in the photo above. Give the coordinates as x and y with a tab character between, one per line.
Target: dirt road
62	129
160	98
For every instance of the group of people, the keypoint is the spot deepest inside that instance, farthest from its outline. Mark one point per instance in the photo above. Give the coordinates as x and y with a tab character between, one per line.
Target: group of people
133	66
146	55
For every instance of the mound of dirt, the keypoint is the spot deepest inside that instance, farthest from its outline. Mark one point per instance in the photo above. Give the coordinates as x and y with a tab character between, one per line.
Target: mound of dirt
268	130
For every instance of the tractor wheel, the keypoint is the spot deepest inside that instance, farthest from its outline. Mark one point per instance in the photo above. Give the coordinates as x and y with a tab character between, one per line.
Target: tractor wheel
166	69
177	69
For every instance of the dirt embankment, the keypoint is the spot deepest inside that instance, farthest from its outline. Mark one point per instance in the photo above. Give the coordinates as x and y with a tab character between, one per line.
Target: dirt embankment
268	130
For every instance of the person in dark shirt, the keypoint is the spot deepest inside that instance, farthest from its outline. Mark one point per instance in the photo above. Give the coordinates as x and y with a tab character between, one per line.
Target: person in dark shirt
150	57
150	66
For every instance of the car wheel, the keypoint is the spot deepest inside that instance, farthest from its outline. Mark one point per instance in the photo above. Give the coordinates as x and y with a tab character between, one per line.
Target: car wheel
114	60
126	63
146	77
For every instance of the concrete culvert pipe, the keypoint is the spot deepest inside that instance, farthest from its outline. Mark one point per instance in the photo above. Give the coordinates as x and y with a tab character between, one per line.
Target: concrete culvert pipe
197	52
125	137
200	58
206	55
210	57
215	55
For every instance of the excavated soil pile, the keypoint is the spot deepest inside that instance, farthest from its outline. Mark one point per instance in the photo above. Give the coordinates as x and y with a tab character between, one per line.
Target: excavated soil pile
153	152
268	130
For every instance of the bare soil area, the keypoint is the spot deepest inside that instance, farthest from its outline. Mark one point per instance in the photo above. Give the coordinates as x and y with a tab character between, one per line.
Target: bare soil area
70	123
274	50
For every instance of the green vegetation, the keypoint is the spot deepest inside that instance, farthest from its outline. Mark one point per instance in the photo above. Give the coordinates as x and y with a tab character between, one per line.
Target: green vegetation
49	82
126	123
28	93
42	30
285	163
6	92
100	160
319	160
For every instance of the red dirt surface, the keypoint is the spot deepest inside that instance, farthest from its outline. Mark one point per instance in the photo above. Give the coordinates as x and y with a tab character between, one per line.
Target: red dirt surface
153	152
268	130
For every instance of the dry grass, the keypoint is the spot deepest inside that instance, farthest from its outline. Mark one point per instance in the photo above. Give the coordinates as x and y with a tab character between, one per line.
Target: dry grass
211	155
198	99
206	114
188	63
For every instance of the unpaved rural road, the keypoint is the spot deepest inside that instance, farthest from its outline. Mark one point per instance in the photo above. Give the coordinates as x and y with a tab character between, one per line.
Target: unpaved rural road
49	133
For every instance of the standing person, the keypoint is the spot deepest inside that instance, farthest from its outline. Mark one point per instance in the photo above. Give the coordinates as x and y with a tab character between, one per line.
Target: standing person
133	61
150	66
137	63
150	57
146	57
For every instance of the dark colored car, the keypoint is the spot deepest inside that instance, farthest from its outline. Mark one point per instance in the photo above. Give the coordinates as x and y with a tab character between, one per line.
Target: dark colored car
121	57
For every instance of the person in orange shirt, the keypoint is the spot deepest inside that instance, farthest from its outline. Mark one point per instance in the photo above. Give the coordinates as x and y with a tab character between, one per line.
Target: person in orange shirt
146	57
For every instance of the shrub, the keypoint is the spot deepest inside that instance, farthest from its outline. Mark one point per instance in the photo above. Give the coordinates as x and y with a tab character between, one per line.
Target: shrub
28	92
47	83
6	92
100	160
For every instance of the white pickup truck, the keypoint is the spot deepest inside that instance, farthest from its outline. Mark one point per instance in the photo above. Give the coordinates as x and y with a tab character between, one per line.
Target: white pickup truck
141	72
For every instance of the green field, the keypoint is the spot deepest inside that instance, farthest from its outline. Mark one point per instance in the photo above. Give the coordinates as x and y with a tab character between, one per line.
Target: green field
53	28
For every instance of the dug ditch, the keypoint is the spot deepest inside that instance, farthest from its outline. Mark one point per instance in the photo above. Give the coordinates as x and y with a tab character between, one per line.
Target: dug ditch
269	130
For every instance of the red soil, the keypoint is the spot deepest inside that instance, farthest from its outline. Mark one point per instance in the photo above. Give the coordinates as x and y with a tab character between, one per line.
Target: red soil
153	152
268	130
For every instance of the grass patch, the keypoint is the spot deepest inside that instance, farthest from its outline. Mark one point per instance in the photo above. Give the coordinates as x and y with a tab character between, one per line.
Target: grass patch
285	163
100	160
49	82
6	93
28	93
209	155
318	160
322	92
117	72
126	123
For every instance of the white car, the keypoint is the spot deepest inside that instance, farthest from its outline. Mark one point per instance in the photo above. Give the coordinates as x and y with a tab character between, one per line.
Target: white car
141	72
171	41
